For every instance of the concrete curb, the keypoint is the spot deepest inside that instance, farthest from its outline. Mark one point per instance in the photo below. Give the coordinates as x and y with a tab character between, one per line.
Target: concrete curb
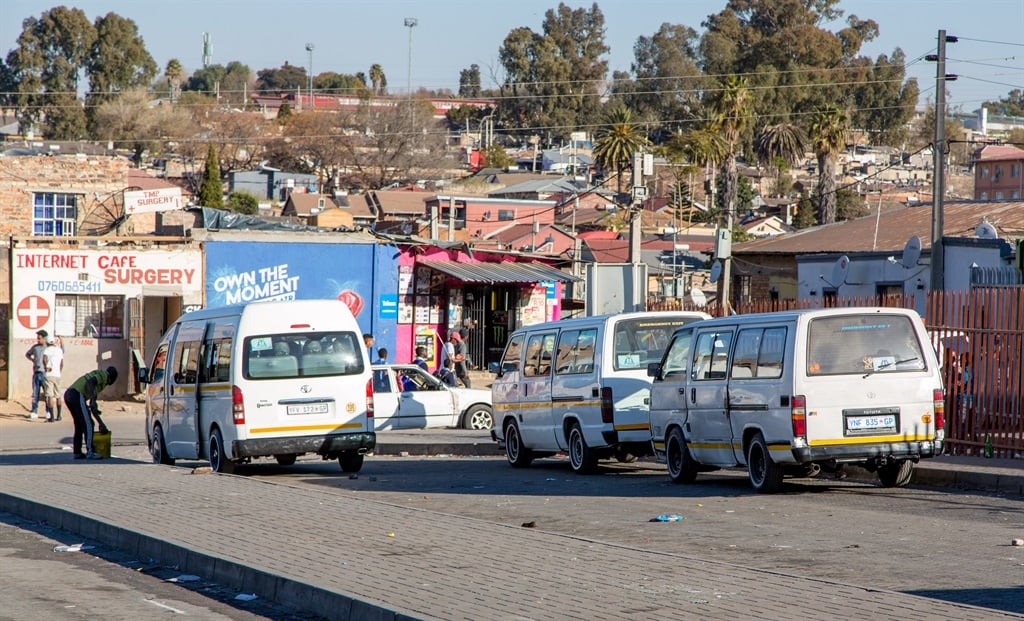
286	591
966	480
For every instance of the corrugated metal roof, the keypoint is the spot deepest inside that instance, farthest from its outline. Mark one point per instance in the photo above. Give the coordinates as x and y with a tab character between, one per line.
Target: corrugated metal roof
506	272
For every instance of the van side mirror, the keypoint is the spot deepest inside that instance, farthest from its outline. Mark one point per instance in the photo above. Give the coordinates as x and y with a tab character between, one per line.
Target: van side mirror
143	375
653	369
494	368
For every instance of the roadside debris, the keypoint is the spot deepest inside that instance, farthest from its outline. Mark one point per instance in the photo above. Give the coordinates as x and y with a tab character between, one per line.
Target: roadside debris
185	578
1017	542
667	517
77	547
530	524
245	597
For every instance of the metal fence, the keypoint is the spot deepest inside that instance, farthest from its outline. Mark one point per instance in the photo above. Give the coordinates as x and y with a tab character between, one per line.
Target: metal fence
979	335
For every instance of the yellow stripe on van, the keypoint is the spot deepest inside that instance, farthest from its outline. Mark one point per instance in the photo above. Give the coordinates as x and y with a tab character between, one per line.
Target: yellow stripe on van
871	440
778	447
306	428
215	388
536	404
633	427
185	388
713	445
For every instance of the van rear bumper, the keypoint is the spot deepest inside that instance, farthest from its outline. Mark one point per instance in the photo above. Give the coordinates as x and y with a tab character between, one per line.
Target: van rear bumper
863	452
326	444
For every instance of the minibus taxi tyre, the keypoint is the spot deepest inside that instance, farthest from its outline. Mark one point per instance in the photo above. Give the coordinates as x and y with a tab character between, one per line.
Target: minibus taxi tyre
518	455
219	461
896	474
350	461
582	458
765	474
681	467
285	460
158	449
478	417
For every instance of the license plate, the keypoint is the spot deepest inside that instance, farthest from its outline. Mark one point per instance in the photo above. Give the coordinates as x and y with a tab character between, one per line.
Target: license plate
885	422
308	408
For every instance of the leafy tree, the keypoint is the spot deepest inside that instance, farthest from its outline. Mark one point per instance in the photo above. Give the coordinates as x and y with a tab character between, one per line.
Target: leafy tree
211	192
704	147
496	157
884	99
850	205
333	82
805	213
617	141
828	137
206	80
130	120
243	202
666	79
285	111
552	79
1012	104
924	133
731	108
52	53
378	80
118	60
469	81
283	79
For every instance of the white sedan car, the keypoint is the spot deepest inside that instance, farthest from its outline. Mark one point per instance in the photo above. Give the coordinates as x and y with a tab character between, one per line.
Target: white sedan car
431	403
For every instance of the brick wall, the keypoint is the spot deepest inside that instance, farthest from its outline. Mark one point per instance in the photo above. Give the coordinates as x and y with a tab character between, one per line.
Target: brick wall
87	176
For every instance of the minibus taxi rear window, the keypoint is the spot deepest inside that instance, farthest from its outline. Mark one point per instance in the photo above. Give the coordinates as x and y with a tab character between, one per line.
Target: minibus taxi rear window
640	341
859	344
319	354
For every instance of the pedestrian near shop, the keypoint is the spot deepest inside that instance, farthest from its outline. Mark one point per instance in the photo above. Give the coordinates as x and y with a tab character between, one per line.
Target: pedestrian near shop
445	373
421	358
35	355
459	358
53	363
368	343
81	401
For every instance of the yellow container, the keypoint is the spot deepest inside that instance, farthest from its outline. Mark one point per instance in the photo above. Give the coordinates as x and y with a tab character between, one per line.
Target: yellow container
101	444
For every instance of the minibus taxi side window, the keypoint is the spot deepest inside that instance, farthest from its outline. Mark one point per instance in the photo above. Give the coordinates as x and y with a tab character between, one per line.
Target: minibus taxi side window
159	365
676	355
187	356
748	343
565	359
217	365
711	355
773	351
532	362
510	360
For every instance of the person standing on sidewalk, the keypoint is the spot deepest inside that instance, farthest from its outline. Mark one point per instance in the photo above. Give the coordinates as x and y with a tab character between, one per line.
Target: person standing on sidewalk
81	401
53	363
459	358
35	354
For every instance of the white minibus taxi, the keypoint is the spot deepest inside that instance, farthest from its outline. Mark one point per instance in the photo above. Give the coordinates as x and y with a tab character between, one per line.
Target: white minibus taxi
792	392
581	386
267	379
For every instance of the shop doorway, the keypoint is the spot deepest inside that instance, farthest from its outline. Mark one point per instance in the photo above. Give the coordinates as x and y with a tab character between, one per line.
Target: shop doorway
490	312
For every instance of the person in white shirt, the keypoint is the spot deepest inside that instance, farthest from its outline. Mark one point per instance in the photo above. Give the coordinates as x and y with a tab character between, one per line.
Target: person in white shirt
53	364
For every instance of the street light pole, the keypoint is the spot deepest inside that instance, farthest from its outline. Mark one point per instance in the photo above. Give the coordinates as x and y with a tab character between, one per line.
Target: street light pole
309	48
410	23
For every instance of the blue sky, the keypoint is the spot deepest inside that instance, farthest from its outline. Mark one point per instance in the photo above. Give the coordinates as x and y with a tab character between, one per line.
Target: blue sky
350	35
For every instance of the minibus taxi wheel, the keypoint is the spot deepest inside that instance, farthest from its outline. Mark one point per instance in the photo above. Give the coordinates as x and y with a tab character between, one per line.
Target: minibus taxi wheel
681	467
158	448
350	461
285	460
582	458
518	455
219	461
896	473
765	474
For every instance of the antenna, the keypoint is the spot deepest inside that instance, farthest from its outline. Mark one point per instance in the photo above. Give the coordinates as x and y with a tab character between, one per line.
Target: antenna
207	50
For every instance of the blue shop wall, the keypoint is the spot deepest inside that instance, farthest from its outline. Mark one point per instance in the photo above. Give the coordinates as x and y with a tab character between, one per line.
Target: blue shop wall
365	276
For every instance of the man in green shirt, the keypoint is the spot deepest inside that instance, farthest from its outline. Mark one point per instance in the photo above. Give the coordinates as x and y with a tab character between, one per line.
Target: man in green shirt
81	401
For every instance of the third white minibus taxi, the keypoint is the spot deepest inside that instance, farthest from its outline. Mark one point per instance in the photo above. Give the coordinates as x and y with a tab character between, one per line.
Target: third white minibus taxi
795	391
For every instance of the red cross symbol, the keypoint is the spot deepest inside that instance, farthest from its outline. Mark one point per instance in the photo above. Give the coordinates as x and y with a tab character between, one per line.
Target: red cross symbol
33	312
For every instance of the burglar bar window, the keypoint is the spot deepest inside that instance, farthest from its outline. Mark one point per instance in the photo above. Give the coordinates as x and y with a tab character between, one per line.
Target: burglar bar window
96	316
53	214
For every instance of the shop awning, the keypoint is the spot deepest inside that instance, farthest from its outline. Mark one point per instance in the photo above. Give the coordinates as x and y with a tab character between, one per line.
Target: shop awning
494	273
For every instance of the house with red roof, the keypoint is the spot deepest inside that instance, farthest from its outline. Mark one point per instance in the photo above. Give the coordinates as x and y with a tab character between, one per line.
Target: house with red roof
997	173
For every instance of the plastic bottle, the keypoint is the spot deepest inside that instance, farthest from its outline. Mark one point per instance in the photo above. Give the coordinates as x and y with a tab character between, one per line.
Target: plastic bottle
988	446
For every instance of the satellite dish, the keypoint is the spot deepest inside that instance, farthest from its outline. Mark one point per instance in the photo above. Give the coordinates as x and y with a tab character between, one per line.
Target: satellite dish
697	297
985	230
911	252
716	271
840	270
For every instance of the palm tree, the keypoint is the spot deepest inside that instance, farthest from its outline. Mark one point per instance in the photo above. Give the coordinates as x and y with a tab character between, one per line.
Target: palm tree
174	73
731	118
704	147
828	137
378	80
783	143
615	143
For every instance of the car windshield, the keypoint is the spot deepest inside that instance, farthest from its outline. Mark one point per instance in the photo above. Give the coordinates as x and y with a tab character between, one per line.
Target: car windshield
863	344
320	354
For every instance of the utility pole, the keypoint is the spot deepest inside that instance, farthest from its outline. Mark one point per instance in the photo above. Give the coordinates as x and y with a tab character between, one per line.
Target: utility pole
309	48
939	159
410	23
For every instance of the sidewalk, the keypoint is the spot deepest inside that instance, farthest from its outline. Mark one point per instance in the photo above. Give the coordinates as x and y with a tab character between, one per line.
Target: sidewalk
345	557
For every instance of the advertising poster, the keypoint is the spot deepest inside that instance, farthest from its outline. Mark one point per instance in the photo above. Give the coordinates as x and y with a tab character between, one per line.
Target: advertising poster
239	273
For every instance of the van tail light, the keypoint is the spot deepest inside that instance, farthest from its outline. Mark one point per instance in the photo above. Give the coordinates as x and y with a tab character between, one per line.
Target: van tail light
369	398
798	414
237	406
939	408
607	406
